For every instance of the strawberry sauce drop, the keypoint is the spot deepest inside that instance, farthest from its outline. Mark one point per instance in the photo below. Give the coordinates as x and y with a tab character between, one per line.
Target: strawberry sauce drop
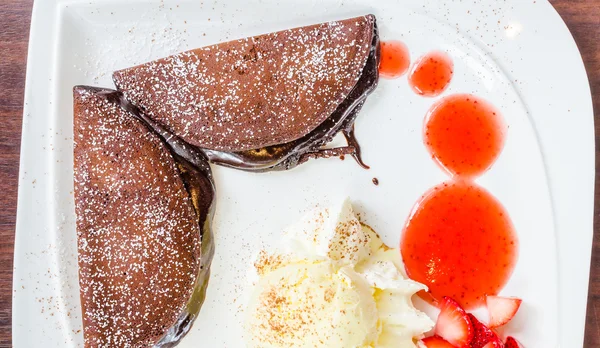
459	242
431	74
465	134
394	59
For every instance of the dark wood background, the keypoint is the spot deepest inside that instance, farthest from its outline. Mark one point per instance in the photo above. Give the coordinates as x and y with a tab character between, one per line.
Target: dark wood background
582	17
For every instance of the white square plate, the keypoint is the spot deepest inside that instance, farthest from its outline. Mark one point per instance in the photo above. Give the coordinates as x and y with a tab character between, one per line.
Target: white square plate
518	55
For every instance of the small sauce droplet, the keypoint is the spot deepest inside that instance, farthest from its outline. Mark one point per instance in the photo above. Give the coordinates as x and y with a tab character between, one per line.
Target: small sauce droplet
465	134
376	181
461	243
394	59
431	74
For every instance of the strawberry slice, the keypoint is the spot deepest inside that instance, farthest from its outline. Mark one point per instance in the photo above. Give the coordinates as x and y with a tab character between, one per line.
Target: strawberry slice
502	309
436	342
453	324
511	343
483	335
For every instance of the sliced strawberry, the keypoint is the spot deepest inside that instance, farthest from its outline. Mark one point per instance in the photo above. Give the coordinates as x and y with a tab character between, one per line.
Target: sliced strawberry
436	342
482	335
453	324
511	343
502	309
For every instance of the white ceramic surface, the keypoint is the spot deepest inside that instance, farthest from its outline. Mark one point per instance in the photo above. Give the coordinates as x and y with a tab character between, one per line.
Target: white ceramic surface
518	55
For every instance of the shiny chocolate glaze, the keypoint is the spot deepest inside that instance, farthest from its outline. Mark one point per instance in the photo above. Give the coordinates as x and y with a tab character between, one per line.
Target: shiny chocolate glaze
288	155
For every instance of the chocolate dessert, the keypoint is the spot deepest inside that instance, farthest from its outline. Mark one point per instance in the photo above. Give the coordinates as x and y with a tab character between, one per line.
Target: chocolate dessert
267	102
144	205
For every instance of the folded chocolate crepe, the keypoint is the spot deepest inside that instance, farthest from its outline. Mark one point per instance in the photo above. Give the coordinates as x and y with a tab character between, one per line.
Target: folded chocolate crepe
144	205
266	102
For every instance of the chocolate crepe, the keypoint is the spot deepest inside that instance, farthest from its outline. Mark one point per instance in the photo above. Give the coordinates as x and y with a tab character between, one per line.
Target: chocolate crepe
144	209
265	102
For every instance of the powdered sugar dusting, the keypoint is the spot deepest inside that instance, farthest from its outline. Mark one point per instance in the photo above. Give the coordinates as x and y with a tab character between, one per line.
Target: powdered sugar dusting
138	234
253	92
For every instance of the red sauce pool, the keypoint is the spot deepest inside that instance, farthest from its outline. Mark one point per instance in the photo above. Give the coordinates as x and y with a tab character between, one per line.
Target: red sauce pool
431	74
394	60
459	242
465	134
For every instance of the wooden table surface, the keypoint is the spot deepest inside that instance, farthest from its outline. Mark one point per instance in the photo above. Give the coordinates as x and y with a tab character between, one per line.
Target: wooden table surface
582	17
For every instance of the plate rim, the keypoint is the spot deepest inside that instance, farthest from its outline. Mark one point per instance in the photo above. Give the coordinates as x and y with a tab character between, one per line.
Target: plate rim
574	254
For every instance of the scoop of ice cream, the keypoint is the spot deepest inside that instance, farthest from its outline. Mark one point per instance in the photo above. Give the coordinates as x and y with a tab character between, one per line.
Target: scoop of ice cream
333	283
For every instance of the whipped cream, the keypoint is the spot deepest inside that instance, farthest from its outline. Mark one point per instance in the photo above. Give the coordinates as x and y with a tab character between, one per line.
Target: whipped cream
333	283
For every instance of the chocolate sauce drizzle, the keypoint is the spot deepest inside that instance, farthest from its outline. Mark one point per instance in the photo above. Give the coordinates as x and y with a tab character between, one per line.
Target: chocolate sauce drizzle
353	142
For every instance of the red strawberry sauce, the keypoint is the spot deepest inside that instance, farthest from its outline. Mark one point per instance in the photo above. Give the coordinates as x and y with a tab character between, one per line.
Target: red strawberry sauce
431	74
394	60
459	239
465	134
459	242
